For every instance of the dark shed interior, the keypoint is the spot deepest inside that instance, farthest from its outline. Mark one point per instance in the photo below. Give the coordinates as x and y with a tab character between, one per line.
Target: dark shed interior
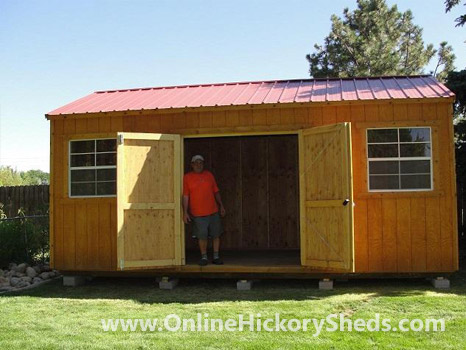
258	179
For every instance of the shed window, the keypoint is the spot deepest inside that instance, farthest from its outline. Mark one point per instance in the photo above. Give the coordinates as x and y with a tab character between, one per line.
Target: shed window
399	159
92	168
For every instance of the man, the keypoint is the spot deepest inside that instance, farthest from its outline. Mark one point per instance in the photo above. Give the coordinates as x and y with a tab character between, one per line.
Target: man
201	195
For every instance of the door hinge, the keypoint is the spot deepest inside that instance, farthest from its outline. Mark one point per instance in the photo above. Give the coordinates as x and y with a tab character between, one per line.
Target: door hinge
120	139
122	264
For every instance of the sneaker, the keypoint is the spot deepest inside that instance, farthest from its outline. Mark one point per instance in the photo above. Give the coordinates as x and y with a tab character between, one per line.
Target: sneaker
217	261
203	262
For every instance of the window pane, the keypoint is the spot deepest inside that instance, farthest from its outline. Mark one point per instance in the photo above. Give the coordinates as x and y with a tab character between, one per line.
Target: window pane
382	135
106	158
82	175
415	150
83	189
82	160
415	166
389	167
106	174
384	182
415	181
415	135
104	188
82	146
106	145
383	151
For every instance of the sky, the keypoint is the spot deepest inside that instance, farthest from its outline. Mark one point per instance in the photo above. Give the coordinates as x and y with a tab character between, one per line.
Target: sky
54	52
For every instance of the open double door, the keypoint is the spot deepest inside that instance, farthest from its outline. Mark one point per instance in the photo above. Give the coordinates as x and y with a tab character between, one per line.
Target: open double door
149	182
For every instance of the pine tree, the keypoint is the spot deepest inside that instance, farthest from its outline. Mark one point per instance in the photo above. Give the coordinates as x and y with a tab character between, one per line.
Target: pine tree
372	40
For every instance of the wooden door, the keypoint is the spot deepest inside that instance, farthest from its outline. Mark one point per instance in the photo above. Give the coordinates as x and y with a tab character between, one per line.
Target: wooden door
149	200
326	197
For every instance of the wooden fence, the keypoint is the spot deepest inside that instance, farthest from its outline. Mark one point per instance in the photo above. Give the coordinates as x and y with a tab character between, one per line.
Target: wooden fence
33	199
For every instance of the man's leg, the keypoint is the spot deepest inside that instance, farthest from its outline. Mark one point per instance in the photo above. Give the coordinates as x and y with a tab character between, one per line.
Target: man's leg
216	244
203	246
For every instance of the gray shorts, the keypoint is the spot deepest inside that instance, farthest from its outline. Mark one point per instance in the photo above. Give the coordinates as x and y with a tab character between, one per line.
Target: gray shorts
207	226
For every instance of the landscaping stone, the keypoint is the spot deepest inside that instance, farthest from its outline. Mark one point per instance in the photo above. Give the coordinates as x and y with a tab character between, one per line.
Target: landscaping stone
244	285
26	279
23	275
44	275
14	281
6	288
21	268
31	272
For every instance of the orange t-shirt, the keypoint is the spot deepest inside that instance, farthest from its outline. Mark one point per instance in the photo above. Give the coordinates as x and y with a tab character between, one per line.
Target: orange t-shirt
200	187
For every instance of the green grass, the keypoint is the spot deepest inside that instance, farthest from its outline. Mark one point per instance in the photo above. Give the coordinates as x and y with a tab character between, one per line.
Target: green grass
57	317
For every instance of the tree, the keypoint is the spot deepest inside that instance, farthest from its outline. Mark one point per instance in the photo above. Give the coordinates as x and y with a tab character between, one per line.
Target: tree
446	57
449	4
373	40
456	82
12	177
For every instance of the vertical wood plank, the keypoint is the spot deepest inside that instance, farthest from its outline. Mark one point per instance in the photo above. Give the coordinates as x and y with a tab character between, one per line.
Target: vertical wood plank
69	248
403	214
374	234
433	244
389	235
418	234
360	237
81	236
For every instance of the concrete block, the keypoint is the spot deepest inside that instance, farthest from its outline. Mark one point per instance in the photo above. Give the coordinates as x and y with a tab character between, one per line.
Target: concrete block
74	281
326	284
168	283
441	283
244	285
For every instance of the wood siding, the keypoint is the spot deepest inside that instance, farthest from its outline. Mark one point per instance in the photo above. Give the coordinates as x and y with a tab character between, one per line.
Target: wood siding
393	232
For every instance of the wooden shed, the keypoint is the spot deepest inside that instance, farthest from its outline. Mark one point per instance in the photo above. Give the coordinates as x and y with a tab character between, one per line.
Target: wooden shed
318	177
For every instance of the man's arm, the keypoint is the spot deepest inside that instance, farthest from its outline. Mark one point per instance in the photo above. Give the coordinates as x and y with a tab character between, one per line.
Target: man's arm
186	217
218	199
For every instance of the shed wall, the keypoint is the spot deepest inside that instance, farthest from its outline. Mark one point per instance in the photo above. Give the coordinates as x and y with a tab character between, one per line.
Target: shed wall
394	232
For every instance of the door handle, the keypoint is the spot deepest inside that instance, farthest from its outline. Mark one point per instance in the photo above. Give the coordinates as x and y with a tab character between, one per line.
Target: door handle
345	202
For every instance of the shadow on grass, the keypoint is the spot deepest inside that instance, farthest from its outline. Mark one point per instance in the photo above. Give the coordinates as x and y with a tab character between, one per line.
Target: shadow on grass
194	291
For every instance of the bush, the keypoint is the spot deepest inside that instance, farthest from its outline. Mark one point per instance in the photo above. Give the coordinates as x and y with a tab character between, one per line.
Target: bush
23	239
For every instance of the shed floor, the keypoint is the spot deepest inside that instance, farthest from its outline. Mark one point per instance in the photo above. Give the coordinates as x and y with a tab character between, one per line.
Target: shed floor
251	257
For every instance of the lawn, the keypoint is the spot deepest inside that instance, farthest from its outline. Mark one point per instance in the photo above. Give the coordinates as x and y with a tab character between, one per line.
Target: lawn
57	317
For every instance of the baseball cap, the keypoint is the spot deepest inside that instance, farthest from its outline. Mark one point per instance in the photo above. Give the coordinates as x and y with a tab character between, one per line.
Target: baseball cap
197	157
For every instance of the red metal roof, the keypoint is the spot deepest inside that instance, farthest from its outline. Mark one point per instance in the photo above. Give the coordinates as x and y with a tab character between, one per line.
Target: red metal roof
258	92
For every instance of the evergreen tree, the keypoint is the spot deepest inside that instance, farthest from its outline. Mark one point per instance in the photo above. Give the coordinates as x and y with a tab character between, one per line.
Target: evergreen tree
449	4
372	40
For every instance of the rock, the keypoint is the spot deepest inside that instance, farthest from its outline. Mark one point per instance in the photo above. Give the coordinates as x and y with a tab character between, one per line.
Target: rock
46	268
37	269
21	268
22	284
11	266
6	288
14	281
44	275
37	280
4	281
1	273
31	272
19	274
26	279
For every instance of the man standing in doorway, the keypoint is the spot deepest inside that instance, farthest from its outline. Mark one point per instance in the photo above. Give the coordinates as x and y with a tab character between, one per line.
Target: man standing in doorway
201	195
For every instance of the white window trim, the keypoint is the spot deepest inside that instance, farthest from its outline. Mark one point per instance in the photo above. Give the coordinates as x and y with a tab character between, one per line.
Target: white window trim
88	168
400	159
